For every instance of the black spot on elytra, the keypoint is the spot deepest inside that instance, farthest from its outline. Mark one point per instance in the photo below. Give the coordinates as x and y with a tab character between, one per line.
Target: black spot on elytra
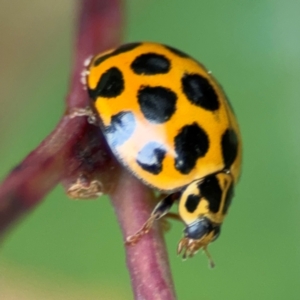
110	84
157	104
199	91
150	64
177	52
192	202
228	198
229	147
120	129
121	49
191	143
210	189
151	157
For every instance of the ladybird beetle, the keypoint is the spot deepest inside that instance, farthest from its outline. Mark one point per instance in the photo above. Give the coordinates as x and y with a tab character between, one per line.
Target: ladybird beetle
169	123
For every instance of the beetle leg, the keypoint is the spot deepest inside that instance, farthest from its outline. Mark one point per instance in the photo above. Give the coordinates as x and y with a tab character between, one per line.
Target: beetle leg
173	216
84	112
165	221
160	210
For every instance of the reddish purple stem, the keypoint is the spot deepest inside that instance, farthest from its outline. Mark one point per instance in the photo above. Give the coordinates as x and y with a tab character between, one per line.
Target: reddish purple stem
147	261
59	154
77	149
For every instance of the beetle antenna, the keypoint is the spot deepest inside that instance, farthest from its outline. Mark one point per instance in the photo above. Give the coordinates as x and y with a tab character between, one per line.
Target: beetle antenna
211	262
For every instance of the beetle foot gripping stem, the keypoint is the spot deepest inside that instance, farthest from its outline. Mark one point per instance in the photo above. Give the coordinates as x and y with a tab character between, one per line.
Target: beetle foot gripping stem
84	112
133	239
84	189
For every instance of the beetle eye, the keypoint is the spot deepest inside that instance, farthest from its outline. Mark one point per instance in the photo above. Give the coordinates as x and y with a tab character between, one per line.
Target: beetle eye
217	231
198	229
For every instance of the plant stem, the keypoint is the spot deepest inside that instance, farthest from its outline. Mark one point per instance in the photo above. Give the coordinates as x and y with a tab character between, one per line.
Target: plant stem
147	260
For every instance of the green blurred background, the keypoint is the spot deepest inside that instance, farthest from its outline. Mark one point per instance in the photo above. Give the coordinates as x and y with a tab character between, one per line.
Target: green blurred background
73	249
